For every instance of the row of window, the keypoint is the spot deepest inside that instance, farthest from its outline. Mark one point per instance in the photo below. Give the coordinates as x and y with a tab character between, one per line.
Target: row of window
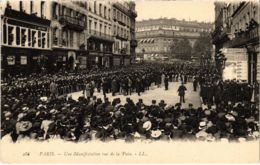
121	31
25	37
67	38
240	21
103	10
177	28
120	16
154	49
106	29
65	11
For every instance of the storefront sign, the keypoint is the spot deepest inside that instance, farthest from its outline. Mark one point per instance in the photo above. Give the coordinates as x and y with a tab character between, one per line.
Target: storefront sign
11	60
27	25
23	60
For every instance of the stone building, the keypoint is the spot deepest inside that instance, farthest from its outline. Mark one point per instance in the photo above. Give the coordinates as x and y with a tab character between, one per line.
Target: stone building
155	36
237	27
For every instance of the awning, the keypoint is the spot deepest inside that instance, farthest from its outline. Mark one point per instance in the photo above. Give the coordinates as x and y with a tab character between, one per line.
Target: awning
152	41
152	55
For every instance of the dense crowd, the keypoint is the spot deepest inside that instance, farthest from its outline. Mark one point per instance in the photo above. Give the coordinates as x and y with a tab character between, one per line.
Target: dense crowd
37	106
85	119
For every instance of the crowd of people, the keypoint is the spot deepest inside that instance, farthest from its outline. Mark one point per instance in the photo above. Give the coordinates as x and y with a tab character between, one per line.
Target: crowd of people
37	107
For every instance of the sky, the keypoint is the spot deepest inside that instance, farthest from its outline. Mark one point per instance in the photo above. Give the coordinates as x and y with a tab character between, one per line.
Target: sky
202	11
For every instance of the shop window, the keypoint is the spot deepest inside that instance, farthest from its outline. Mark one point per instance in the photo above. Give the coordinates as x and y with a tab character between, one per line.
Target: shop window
44	43
29	37
39	39
18	35
10	35
24	36
34	38
10	60
23	60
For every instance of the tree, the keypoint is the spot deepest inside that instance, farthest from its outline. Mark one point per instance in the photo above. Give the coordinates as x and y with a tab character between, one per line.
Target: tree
181	48
202	46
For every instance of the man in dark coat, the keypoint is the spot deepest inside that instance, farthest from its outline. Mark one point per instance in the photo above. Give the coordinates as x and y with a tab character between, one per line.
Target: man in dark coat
104	87
138	86
181	91
114	86
195	83
166	82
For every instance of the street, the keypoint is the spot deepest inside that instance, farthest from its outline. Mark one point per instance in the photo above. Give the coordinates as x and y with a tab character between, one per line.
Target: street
170	96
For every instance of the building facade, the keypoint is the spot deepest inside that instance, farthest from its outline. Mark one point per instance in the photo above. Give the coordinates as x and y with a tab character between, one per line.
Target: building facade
123	31
60	34
155	36
237	26
26	35
100	39
69	26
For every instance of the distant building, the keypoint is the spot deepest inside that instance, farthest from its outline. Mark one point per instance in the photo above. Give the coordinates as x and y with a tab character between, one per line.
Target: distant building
155	36
237	27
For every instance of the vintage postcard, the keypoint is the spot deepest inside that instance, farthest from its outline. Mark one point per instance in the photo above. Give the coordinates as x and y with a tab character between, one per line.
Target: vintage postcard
145	81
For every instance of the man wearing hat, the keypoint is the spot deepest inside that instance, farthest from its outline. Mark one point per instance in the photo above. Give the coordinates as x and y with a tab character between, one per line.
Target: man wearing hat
166	82
181	92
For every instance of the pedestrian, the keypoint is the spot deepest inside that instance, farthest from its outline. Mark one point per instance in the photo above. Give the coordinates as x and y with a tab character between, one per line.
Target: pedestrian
181	92
195	83
114	86
53	90
138	86
166	82
104	86
87	92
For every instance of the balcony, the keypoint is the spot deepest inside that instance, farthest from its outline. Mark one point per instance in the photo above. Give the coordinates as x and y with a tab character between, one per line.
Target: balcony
121	23
121	7
133	43
72	23
246	37
114	18
220	36
121	37
101	36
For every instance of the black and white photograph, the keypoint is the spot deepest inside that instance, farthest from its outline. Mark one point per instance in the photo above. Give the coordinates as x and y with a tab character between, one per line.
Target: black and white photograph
145	81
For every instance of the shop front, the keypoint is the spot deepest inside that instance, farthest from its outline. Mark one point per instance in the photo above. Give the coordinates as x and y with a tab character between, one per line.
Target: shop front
25	61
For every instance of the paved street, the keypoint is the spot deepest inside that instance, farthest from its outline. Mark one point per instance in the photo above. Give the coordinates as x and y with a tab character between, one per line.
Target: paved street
170	96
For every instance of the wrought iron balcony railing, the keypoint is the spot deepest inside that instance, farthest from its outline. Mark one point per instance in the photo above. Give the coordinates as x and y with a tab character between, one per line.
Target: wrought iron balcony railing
72	22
